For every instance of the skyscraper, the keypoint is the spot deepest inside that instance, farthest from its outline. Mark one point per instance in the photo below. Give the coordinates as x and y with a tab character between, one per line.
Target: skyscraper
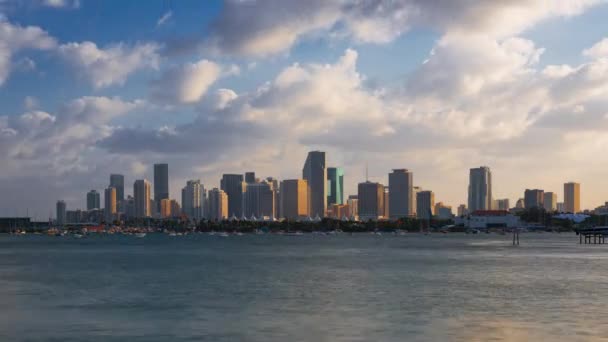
218	204
335	186
371	200
233	186
110	207
193	199
401	193
161	184
118	182
60	213
141	200
165	208
93	200
295	198
353	206
425	200
533	198
250	177
550	201
259	200
315	173
572	197
480	189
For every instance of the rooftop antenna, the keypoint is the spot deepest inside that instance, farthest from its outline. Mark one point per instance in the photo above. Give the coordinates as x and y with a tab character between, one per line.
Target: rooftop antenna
366	173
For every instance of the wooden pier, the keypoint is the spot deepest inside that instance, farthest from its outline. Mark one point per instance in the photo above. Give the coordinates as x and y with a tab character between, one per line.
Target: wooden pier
592	236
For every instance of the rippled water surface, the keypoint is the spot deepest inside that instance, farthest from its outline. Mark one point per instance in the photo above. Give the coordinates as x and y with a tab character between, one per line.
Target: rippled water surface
452	287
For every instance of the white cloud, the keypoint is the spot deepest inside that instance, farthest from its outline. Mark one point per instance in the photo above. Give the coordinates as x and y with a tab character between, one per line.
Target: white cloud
14	38
186	83
164	18
61	3
111	65
599	50
274	26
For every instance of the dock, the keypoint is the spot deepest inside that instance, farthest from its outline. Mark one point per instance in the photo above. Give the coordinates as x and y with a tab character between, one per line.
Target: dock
593	235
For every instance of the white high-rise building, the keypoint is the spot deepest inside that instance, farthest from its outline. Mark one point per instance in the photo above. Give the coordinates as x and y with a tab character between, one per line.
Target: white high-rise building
193	199
218	204
480	189
141	194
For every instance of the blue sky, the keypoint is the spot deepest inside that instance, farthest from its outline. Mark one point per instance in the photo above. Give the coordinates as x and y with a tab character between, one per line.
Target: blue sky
93	87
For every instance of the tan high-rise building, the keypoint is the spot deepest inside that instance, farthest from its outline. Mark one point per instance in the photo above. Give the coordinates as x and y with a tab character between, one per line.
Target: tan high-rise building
218	205
572	197
353	206
165	208
141	194
338	211
550	201
110	204
386	203
295	198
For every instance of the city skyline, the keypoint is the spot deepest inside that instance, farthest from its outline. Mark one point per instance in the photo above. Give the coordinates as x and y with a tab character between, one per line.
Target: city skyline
504	84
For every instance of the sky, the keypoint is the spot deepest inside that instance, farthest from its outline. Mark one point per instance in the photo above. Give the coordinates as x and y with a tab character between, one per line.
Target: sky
89	88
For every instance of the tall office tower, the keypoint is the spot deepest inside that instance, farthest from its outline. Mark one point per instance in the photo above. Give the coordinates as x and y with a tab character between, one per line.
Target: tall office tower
118	182
165	208
386	207
550	201
193	199
417	189
572	197
371	200
533	198
315	173
335	185
60	213
233	186
353	206
480	189
274	183
560	207
141	198
259	200
129	207
295	198
110	208
218	205
161	184
401	193
502	204
93	200
250	177
462	210
425	201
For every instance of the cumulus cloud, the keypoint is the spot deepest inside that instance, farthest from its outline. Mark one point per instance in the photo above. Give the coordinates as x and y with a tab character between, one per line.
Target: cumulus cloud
110	65
275	26
15	38
186	83
599	50
61	3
